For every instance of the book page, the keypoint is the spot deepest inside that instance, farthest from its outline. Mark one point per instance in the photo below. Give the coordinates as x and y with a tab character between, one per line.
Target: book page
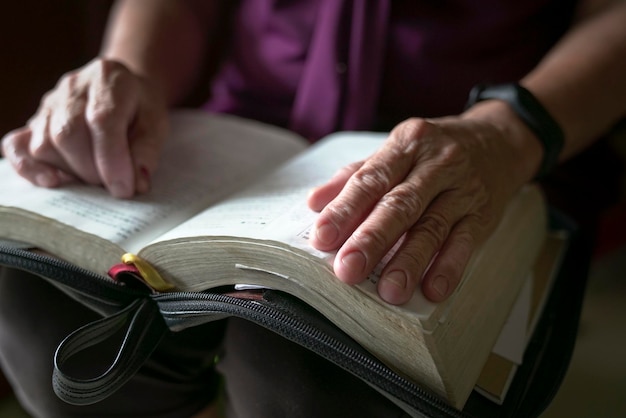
511	342
508	351
205	158
275	208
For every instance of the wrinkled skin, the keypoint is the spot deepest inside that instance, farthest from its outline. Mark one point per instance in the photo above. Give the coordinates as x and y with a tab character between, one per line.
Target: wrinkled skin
101	124
441	183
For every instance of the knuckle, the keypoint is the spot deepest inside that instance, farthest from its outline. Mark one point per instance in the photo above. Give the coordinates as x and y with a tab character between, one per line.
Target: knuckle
340	212
452	154
435	226
47	101
67	126
404	203
38	150
63	134
68	80
413	128
372	182
100	116
20	165
409	134
412	260
372	238
466	240
445	150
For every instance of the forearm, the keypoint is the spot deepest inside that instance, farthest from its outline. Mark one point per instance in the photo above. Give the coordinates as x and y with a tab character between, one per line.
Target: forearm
582	80
163	40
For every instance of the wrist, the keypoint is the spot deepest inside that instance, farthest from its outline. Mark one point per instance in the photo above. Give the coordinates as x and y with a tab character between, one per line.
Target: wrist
532	113
525	150
146	36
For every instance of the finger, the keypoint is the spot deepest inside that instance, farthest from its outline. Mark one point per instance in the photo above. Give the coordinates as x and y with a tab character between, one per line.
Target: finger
320	196
38	145
362	191
69	134
420	245
111	107
391	217
447	269
16	150
146	140
394	214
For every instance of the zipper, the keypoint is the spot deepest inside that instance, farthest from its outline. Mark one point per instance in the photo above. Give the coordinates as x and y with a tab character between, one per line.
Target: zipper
76	278
192	305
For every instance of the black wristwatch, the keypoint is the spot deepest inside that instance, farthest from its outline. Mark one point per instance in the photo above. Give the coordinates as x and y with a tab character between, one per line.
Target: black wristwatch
532	113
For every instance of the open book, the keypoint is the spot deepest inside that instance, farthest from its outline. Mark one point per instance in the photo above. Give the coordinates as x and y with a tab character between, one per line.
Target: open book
228	206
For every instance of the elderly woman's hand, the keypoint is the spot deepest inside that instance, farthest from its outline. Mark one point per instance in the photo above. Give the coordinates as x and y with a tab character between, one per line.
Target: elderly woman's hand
438	185
101	124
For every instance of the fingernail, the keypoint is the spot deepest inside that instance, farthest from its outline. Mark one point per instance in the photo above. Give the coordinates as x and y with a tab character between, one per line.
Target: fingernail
119	189
441	285
326	233
45	180
143	180
354	261
392	287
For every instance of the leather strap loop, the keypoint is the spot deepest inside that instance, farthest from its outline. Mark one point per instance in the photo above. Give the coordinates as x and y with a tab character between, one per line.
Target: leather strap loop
145	328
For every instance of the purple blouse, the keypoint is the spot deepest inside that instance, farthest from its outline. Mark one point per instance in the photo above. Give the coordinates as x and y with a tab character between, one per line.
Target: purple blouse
318	66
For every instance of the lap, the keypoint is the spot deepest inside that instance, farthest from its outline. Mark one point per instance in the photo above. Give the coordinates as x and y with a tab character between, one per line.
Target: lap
264	375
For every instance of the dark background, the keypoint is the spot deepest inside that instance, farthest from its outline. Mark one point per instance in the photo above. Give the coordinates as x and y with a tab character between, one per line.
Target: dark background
39	41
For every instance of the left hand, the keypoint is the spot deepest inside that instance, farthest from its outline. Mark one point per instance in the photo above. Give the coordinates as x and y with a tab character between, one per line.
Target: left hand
442	184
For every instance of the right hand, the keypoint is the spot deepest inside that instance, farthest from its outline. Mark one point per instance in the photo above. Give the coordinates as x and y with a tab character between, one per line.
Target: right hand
102	124
437	187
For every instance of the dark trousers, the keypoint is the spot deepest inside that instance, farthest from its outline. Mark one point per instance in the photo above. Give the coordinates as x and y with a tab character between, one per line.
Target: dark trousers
263	374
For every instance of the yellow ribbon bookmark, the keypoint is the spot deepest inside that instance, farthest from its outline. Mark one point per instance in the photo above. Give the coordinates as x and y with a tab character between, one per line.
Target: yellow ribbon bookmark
148	273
